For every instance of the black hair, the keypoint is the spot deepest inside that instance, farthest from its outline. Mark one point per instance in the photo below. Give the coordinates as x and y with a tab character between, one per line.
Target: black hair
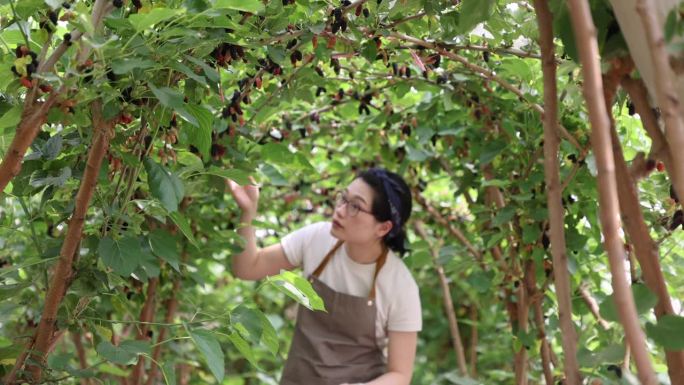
380	207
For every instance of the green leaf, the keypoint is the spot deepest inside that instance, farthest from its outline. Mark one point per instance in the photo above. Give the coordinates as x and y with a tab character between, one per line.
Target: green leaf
121	255
370	51
164	185
668	332
142	21
277	154
168	97
491	150
243	347
239	176
298	289
164	246
252	6
531	233
473	13
504	216
253	325
125	354
200	135
169	371
274	175
211	73
184	226
123	66
644	299
11	118
208	345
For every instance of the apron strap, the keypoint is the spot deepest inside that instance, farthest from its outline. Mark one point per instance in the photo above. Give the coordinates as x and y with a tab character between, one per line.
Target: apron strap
378	265
325	260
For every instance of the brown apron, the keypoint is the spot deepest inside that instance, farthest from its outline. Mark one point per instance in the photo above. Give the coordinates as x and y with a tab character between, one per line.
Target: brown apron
338	346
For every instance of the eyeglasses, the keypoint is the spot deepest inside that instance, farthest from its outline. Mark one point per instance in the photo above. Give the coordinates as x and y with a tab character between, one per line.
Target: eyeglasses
353	207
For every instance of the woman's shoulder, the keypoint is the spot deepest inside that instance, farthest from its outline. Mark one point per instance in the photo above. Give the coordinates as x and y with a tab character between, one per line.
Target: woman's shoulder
397	274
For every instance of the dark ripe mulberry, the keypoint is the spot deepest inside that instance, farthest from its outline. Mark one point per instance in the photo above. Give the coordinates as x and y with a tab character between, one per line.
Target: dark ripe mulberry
343	25
217	151
67	38
616	369
291	43
225	113
545	241
346	3
319	71
52	15
14	71
118	3
485	56
137	3
406	129
296	56
335	27
319	91
234	52
630	108
366	12
44	24
395	69
148	141
66	5
236	97
677	220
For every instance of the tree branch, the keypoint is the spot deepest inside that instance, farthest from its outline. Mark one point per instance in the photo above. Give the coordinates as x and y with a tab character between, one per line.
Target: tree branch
554	197
448	303
62	274
444	222
585	31
666	95
487	74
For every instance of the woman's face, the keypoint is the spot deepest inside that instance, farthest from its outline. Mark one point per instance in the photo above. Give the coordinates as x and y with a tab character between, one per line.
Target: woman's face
363	227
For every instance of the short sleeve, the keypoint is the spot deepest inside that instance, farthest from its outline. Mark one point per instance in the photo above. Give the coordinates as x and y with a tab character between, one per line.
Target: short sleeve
405	309
297	242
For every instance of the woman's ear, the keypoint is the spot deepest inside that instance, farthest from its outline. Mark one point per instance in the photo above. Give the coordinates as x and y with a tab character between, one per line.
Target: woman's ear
384	228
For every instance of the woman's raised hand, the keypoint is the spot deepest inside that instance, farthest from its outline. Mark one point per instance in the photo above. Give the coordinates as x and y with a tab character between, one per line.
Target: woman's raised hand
247	197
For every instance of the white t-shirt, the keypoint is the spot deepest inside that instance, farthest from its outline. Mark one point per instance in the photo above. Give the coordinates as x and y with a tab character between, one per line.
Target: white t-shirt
397	296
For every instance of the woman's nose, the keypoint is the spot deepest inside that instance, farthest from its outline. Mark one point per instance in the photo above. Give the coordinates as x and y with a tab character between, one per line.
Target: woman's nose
341	210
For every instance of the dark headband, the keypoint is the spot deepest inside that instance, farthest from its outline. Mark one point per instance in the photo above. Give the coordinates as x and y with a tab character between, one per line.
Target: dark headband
391	190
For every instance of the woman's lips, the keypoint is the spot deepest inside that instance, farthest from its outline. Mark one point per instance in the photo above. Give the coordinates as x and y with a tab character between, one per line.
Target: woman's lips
337	224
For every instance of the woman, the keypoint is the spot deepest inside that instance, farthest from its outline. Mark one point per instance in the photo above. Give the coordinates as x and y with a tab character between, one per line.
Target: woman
369	330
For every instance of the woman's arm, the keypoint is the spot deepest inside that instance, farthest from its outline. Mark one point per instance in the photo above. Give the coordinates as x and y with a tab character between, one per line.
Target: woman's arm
400	358
254	263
